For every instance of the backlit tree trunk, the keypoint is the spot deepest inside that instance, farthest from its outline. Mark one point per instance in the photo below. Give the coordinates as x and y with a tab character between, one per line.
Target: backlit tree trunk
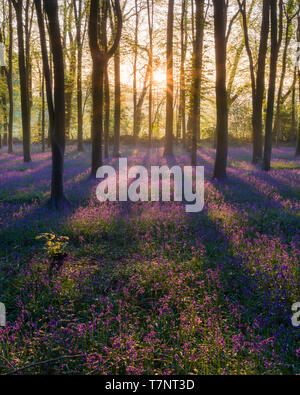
170	82
197	66
275	46
100	57
57	200
220	11
24	83
10	81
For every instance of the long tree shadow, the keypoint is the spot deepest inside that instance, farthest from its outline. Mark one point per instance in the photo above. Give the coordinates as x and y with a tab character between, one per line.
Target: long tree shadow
264	309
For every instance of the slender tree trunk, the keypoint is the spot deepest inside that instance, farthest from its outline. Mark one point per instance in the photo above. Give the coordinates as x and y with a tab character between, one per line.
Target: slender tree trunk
28	64
79	100
4	119
282	78
78	18
97	115
182	101
70	89
3	99
258	79
25	101
43	114
140	102
107	114
197	66
135	55
57	200
100	56
220	11
150	8
275	45
10	82
293	130
257	117
117	104
170	82
298	137
46	67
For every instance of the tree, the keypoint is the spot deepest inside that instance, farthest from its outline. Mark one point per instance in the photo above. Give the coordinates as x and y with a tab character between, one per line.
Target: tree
220	17
135	57
117	102
275	46
258	78
117	89
197	71
170	82
57	199
80	35
298	39
69	52
289	14
10	80
3	95
24	83
181	130
150	14
100	57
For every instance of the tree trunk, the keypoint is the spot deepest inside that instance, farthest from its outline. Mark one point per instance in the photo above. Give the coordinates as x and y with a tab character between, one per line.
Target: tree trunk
78	18
10	82
117	104
293	130
150	27
197	66
43	114
25	106
257	117
46	66
107	114
182	100
97	115
220	11
298	137
288	37
57	200
79	101
135	55
100	56
170	83
258	80
275	45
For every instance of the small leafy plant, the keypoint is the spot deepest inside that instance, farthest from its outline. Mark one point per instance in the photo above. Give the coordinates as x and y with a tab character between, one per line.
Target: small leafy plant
56	246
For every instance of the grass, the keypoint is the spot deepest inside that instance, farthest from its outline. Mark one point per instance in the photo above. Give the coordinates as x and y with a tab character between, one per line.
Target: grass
146	288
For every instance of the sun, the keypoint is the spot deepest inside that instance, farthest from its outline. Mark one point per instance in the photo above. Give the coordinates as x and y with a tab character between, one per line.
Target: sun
159	76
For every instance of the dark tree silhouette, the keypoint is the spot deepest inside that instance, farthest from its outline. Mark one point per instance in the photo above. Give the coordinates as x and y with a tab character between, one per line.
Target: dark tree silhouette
170	81
289	13
275	46
181	129
100	57
117	104
10	80
24	83
196	85
46	67
258	79
298	39
57	200
80	34
150	14
220	13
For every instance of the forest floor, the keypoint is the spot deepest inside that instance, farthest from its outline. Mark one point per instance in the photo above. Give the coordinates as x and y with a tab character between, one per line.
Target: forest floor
147	288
